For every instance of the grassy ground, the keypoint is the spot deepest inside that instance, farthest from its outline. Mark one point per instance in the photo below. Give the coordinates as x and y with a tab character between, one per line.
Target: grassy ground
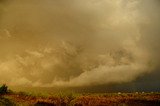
74	99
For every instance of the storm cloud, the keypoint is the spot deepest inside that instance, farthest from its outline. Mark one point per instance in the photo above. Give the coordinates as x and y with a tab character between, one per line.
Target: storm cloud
78	43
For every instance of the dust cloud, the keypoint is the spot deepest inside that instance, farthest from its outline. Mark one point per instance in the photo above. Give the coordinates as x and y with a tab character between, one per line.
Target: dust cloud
46	43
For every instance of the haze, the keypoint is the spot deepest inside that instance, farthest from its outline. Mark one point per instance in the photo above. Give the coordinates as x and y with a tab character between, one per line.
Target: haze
79	43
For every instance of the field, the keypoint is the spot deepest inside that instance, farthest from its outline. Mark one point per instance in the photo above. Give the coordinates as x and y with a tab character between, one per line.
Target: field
75	99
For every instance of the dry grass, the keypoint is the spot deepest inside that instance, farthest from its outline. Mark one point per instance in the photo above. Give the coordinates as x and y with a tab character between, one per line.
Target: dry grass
108	99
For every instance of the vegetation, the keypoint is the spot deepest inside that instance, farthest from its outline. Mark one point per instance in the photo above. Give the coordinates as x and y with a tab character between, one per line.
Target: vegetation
74	99
3	89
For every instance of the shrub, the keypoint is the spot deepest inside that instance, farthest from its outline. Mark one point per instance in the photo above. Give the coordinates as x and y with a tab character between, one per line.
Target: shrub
3	89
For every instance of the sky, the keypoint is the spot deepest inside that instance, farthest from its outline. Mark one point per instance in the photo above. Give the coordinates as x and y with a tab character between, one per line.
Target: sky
80	43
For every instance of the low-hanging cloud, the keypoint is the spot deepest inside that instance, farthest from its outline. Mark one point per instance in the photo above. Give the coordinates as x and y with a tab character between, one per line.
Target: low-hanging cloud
77	43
